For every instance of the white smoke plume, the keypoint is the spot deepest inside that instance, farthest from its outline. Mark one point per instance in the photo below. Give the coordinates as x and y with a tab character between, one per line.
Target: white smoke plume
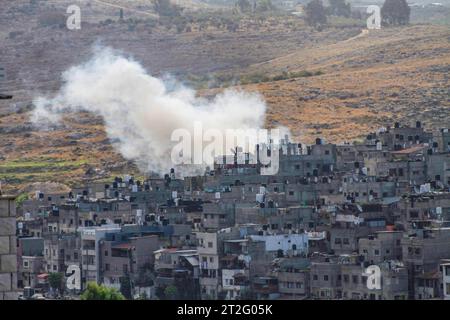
141	111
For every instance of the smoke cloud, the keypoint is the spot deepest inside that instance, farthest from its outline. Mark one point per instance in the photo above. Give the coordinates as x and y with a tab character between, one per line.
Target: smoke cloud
140	112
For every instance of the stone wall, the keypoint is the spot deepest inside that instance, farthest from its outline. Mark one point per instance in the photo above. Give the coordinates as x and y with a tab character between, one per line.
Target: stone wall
8	258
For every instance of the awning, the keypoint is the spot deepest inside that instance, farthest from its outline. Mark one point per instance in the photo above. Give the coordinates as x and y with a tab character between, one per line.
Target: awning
193	261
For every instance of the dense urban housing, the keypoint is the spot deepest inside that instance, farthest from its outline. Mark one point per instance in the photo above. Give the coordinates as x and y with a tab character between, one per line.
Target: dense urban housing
369	220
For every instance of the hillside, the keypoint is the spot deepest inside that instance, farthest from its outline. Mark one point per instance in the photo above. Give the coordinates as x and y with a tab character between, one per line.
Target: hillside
364	81
368	81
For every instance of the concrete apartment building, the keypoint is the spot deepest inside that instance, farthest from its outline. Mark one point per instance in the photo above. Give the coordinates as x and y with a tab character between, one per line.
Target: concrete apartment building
381	246
90	251
31	261
446	280
422	252
122	254
293	278
325	279
210	247
393	282
62	250
8	250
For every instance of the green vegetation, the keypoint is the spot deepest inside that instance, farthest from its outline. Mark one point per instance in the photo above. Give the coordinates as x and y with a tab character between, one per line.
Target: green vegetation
259	78
125	286
21	198
395	12
227	79
100	292
55	280
39	169
39	165
339	8
171	292
315	14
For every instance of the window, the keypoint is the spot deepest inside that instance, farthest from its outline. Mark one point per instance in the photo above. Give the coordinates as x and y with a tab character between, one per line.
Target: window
325	278
210	244
337	241
315	277
25	264
376	252
414	214
447	272
106	253
355	279
107	267
75	256
346	241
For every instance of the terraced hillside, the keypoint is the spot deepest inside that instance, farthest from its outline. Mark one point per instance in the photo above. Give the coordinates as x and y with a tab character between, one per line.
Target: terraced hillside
338	83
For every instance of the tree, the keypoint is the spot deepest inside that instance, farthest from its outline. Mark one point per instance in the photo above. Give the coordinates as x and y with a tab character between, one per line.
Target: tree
143	296
339	8
244	5
55	280
395	12
171	292
166	8
100	292
125	286
21	198
264	5
159	292
315	15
